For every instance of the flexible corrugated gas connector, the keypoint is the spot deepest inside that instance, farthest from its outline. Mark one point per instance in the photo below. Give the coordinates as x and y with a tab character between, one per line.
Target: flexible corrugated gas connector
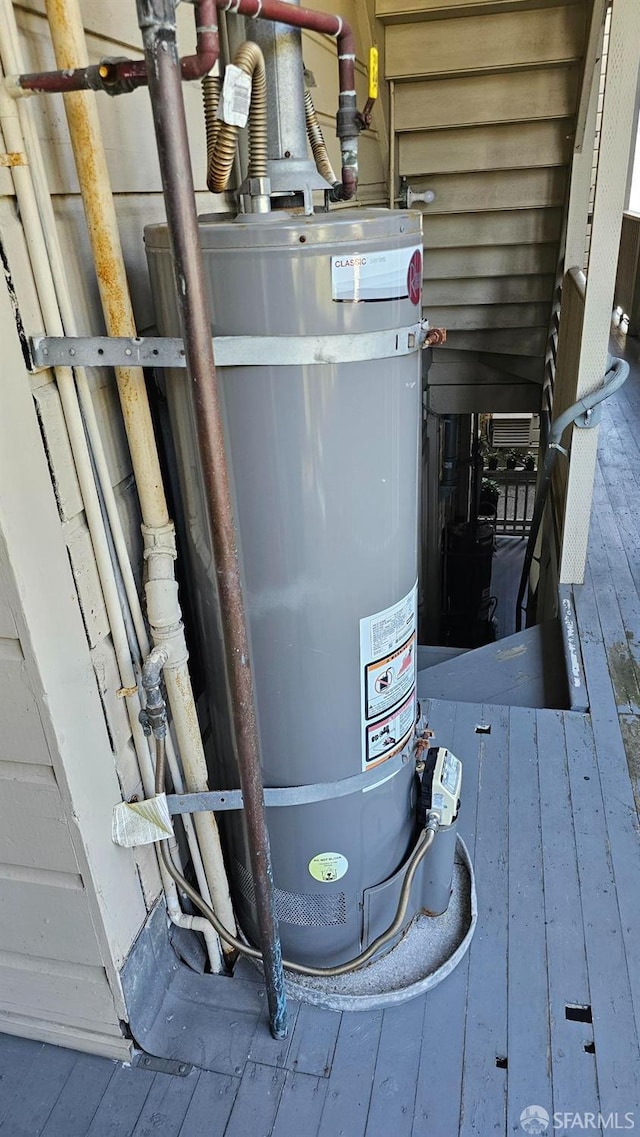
222	137
317	142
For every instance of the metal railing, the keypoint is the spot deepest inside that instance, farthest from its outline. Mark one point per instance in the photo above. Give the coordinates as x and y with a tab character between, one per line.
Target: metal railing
514	508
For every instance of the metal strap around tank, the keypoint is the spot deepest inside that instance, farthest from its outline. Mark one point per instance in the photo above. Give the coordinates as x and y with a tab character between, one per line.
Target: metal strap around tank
230	351
215	801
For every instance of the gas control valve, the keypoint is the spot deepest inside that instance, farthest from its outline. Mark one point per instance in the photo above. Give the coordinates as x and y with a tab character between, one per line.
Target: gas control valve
440	786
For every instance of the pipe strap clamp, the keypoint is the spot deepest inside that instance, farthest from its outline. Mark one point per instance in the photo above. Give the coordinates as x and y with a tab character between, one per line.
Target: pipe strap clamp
229	351
213	801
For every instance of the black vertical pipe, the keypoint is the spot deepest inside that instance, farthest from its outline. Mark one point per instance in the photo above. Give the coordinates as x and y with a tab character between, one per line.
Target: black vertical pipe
157	22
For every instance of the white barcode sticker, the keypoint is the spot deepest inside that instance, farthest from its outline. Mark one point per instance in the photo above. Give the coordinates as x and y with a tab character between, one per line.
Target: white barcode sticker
235	100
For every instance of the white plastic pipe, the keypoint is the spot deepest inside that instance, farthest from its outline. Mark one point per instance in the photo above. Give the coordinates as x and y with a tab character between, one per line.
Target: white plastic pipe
56	269
65	383
165	618
18	123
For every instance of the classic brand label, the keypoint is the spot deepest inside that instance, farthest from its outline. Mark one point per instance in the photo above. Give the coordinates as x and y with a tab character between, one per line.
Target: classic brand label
393	274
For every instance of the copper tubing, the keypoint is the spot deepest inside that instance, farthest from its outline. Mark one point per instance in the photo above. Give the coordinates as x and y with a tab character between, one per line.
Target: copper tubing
133	71
317	142
222	136
167	103
117	76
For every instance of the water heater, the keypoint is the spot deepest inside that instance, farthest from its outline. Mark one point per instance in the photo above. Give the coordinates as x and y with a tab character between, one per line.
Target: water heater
319	319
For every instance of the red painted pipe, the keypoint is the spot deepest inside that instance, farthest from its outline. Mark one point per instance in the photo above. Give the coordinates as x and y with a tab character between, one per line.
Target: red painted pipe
321	22
133	72
121	75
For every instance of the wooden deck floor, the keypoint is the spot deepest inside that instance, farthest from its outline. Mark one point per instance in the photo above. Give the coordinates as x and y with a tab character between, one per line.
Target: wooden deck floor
545	1009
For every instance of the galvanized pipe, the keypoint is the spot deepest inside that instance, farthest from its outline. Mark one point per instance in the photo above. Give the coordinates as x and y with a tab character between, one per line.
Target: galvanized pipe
157	22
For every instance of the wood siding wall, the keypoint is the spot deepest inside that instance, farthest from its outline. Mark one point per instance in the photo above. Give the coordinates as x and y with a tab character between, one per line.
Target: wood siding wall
485	98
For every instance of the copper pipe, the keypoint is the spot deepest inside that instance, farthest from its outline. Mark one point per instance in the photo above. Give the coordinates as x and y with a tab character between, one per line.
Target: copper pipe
222	136
118	76
157	22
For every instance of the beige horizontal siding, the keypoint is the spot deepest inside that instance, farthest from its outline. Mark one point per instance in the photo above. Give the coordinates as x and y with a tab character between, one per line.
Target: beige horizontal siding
37	833
21	735
507	146
69	994
94	1041
487	190
501	261
523	366
487	290
408	11
45	914
477	99
472	317
517	228
485	43
484	398
503	341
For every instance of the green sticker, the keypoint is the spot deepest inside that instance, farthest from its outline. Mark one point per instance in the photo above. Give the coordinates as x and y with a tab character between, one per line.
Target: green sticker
328	867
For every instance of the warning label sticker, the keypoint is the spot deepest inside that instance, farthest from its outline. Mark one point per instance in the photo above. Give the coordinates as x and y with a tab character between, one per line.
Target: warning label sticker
388	736
388	679
392	274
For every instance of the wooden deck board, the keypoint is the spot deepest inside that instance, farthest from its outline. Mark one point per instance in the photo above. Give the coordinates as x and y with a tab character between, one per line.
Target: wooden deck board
527	981
210	1105
302	1097
614	1025
346	1107
395	1079
33	1103
441	1064
314	1041
484	1081
78	1103
122	1104
573	1070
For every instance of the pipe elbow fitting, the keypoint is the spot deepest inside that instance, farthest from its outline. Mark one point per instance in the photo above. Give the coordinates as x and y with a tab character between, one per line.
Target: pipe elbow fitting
152	667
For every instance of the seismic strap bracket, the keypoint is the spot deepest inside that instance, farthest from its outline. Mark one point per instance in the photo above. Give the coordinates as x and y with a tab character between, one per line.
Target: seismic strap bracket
229	351
143	822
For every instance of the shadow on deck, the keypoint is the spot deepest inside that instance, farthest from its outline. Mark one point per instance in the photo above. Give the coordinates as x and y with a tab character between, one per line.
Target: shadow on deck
545	1008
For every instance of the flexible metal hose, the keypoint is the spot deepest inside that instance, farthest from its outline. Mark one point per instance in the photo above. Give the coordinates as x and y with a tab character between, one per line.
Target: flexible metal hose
222	137
317	142
211	88
423	844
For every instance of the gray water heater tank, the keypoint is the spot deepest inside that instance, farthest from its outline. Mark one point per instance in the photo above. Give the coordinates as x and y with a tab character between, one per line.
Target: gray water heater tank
324	453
